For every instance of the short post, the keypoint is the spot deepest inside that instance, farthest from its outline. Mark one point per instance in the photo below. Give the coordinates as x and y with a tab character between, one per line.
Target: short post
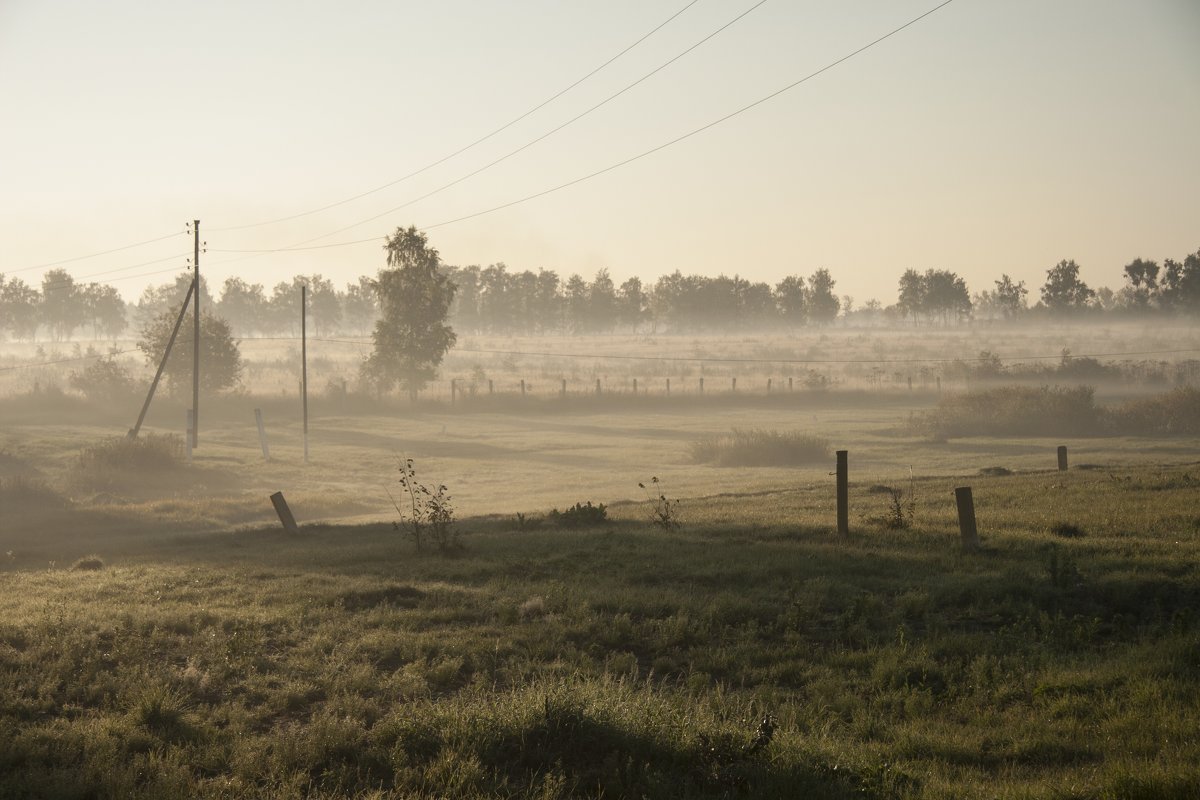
702	386
190	438
966	518
522	387
768	385
789	384
563	390
262	434
843	493
635	385
453	390
939	384
285	513
597	387
910	383
1062	458
733	385
491	387
668	387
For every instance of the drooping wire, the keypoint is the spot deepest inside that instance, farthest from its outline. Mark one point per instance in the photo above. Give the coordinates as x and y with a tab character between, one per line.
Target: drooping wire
465	148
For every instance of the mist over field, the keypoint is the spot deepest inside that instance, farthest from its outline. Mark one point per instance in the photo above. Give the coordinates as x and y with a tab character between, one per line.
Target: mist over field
625	400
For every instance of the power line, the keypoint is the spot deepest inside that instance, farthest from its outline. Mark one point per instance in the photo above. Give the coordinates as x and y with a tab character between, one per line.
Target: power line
631	159
78	281
464	149
91	255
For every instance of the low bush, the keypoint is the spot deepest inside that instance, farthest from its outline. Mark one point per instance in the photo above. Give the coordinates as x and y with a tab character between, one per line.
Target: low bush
1171	413
103	380
1014	411
580	515
760	448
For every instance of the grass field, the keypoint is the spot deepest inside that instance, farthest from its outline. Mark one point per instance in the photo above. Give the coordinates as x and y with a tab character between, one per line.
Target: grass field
161	636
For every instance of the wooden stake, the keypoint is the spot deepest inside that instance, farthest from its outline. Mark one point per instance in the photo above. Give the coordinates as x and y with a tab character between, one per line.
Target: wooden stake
262	434
285	513
966	518
843	493
1062	458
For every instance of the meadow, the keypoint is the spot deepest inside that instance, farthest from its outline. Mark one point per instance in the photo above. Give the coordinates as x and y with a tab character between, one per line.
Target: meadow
160	635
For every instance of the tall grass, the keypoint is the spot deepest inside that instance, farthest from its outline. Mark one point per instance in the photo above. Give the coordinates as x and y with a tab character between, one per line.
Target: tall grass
107	463
758	447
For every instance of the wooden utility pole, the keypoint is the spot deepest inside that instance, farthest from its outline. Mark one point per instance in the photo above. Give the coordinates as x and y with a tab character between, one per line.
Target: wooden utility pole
843	493
195	432
304	363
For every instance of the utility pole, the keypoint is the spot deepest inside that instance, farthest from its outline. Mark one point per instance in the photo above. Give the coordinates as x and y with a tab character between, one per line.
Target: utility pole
304	362
195	433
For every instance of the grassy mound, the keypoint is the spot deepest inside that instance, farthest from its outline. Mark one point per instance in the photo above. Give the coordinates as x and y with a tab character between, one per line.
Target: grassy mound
760	448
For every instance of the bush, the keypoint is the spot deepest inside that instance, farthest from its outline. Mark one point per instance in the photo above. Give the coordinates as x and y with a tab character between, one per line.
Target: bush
1014	411
580	515
103	465
1171	413
103	380
88	564
760	448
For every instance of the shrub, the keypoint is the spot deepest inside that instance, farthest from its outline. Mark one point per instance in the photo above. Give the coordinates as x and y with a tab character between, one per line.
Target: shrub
146	453
580	515
760	448
1014	411
1171	413
103	380
88	564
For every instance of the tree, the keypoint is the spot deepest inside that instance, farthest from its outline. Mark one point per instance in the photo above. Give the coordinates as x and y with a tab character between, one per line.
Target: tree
220	361
360	304
1063	291
62	304
1142	277
823	305
1009	297
18	308
243	305
631	303
911	299
945	294
1180	289
105	310
602	303
411	337
792	299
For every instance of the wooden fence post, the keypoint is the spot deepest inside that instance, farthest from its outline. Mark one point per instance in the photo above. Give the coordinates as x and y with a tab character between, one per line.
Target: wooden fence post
635	385
191	433
262	434
789	384
563	390
733	385
966	518
843	493
453	390
522	387
702	386
491	386
1062	458
768	385
668	387
597	387
285	513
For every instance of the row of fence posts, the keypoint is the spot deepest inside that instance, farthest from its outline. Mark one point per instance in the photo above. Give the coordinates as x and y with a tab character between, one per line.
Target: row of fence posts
455	391
964	501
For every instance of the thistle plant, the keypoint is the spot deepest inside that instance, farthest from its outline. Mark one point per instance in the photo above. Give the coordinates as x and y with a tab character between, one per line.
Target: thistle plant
664	512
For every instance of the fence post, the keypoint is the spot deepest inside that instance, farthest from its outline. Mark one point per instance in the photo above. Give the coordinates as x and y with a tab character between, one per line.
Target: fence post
285	513
733	385
843	492
491	387
635	385
966	518
262	434
191	433
768	385
668	387
563	390
702	386
453	390
522	387
789	384
597	387
1062	458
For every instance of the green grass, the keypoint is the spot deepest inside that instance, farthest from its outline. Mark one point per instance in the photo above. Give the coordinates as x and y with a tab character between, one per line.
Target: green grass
624	661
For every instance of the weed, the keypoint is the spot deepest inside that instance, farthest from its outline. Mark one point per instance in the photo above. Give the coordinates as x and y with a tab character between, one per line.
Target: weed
430	513
726	761
526	523
88	564
663	512
580	515
1062	570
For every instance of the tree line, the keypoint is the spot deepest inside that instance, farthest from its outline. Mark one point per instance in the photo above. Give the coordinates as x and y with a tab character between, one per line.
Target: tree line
497	300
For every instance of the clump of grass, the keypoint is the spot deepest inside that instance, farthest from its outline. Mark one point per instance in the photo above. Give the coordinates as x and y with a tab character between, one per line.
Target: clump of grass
995	472
91	563
533	608
580	515
759	447
1067	530
106	464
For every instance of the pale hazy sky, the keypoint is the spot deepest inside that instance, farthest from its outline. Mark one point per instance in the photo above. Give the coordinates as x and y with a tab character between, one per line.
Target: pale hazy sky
993	136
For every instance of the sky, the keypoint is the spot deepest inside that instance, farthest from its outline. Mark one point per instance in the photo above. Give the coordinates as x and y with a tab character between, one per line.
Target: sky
990	137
